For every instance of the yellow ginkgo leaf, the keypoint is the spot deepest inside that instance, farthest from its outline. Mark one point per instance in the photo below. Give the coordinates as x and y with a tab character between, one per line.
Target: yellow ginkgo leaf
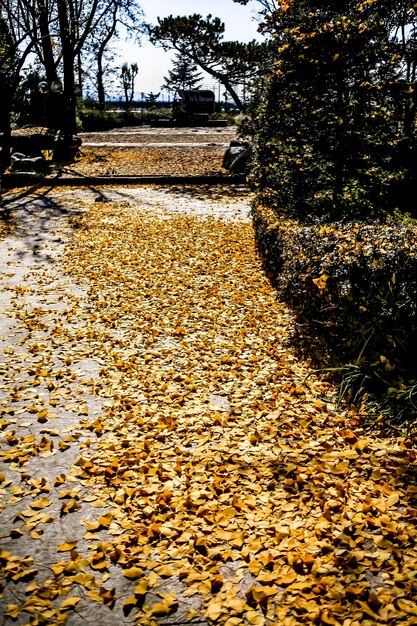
12	611
41	504
69	603
67	546
133	572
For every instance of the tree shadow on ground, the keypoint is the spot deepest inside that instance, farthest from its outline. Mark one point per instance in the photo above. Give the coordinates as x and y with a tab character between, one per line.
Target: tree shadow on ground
34	217
376	493
213	192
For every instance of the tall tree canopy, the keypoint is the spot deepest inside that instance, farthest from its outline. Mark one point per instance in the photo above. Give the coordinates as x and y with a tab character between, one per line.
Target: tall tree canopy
128	75
267	6
201	40
59	32
336	126
120	16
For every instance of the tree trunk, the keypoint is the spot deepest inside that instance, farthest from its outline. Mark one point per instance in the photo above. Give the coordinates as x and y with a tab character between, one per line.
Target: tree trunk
80	72
46	44
100	85
232	92
5	121
5	129
222	79
69	126
100	56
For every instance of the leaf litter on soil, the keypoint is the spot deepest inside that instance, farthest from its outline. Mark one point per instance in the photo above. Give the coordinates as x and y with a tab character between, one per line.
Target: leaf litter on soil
235	491
144	161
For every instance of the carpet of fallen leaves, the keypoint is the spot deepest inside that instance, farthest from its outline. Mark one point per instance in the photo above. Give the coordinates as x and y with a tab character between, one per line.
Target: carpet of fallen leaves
236	492
143	161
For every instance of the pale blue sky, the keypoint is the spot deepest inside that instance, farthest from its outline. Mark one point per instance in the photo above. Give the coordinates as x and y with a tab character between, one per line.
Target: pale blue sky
154	63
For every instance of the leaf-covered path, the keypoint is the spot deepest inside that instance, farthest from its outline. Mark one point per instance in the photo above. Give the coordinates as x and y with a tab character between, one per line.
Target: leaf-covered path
167	458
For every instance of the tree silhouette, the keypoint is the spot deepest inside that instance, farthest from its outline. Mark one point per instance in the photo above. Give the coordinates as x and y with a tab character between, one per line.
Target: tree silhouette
127	76
201	41
184	75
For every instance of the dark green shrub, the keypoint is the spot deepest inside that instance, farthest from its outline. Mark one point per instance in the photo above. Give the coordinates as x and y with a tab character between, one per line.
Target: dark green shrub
357	284
335	155
224	115
91	119
94	120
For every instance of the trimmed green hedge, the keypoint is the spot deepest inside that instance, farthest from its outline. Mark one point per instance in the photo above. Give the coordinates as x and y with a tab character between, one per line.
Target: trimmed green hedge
357	283
96	120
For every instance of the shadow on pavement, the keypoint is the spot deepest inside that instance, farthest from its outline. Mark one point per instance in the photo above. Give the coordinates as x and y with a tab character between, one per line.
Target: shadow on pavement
34	216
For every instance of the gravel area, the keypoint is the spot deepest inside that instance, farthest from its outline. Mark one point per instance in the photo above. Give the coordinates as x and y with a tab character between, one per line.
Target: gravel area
147	135
154	151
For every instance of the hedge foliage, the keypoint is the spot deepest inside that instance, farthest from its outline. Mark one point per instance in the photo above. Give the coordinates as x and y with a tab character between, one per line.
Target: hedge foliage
91	119
357	284
334	169
336	117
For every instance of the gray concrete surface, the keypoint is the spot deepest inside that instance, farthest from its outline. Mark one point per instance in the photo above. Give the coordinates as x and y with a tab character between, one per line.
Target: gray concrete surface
46	395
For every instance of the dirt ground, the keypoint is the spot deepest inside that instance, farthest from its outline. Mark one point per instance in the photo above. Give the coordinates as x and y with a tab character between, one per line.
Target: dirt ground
144	151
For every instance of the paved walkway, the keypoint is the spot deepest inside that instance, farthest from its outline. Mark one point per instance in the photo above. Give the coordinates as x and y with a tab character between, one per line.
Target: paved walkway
166	456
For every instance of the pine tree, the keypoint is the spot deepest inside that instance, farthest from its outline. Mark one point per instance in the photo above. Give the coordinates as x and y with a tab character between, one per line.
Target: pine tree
184	75
200	40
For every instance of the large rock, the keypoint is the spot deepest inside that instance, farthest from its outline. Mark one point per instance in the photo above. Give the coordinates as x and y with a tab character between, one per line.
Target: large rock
23	163
237	157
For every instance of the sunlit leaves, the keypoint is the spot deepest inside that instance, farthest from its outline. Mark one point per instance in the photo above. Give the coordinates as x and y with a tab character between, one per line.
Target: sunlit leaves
335	110
168	605
133	572
41	504
67	546
147	161
70	603
298	548
216	471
